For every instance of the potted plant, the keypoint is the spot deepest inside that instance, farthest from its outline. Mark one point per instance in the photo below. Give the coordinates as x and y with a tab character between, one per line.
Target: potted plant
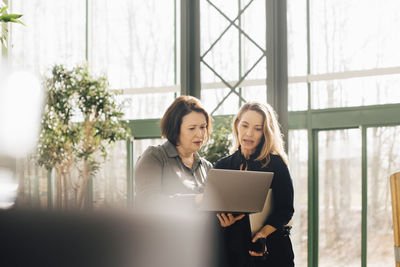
220	140
81	117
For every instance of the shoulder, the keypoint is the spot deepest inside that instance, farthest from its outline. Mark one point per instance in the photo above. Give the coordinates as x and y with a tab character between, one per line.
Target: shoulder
277	160
225	162
153	153
206	163
278	165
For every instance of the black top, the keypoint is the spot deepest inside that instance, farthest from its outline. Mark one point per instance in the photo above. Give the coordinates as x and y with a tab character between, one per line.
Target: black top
239	234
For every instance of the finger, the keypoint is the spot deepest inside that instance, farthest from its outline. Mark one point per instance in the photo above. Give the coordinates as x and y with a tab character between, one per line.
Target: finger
256	237
256	254
231	218
224	217
221	221
239	217
225	220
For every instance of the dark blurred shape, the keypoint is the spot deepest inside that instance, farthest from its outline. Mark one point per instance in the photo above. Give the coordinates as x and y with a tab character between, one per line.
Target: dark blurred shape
49	238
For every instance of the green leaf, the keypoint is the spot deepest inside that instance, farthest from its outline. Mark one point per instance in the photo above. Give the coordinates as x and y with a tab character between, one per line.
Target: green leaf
3	9
11	16
17	21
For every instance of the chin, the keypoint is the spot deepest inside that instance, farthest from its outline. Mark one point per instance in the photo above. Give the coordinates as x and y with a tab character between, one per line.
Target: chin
247	146
196	148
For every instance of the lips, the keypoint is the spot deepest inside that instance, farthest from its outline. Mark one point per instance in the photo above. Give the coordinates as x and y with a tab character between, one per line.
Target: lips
248	142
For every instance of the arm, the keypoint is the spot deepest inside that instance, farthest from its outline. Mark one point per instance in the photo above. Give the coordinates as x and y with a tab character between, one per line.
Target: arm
282	197
149	171
148	178
282	201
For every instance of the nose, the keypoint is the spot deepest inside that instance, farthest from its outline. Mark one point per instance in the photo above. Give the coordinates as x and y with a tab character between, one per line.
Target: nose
201	132
249	132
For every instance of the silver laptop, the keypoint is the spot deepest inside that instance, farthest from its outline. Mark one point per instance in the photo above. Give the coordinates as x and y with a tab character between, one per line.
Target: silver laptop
236	191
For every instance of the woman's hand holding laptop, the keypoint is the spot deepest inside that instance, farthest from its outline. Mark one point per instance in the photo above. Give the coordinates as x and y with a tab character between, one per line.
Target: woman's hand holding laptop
228	219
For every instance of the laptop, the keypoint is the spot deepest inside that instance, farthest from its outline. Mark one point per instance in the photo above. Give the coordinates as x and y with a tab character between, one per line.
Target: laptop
236	191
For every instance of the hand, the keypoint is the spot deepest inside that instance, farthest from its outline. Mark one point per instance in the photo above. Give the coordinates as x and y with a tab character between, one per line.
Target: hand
263	233
228	219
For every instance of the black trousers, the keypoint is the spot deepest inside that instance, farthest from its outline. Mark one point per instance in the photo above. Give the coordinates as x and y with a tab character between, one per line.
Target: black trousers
234	251
279	251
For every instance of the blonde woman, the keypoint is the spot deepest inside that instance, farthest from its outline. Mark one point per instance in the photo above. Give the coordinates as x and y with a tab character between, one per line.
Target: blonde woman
259	147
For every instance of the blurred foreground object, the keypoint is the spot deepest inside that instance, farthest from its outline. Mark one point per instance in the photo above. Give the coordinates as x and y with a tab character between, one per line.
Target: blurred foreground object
21	103
44	238
8	188
21	99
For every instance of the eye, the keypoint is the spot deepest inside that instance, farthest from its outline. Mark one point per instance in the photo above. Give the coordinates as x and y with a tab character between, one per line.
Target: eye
191	128
258	129
244	126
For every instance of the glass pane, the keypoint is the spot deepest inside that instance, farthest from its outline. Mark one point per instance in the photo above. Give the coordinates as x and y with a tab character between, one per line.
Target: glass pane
110	183
145	106
54	33
297	37
254	25
235	54
211	97
129	45
255	93
354	35
254	22
383	160
32	179
224	56
298	162
340	198
212	24
356	92
254	66
298	96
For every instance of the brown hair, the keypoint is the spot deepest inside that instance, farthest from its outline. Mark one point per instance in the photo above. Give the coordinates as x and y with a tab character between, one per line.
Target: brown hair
172	119
272	136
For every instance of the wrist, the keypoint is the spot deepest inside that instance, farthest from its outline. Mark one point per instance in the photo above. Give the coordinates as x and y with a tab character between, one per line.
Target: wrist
267	230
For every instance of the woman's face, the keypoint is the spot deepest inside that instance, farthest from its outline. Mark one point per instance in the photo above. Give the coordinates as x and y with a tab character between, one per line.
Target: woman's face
193	131
250	131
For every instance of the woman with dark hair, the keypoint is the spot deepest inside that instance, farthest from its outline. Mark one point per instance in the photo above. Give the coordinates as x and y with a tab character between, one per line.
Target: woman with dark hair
173	169
259	147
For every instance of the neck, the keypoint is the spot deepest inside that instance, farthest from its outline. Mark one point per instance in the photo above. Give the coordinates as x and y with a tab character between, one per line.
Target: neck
183	153
247	153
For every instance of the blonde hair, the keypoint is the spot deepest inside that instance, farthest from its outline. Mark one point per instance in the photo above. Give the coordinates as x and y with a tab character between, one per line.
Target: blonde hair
273	140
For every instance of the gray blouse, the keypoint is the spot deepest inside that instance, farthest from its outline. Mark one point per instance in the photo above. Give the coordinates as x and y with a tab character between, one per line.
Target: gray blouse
160	175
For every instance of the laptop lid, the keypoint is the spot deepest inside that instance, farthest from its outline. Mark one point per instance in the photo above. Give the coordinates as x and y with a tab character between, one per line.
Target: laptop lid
236	191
